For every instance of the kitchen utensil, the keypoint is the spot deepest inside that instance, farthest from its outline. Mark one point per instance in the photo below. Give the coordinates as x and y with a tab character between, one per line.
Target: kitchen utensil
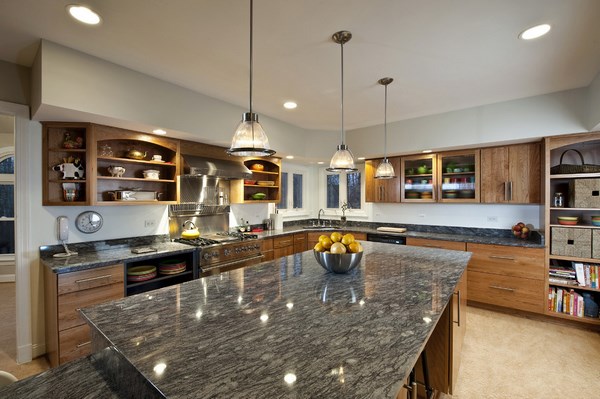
151	174
131	195
596	220
135	154
172	266
568	220
191	232
157	158
392	229
338	263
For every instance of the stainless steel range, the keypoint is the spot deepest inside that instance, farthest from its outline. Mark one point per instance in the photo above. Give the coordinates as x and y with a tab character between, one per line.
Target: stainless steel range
220	250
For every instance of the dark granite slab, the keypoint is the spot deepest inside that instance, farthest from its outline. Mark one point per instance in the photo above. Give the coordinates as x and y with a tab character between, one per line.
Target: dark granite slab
103	375
287	328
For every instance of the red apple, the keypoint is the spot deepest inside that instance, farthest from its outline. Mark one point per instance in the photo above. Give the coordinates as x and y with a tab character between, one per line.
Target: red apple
521	224
517	228
517	233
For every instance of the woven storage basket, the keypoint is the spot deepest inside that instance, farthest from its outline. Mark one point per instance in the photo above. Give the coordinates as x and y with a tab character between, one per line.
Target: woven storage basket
596	244
571	242
562	169
584	193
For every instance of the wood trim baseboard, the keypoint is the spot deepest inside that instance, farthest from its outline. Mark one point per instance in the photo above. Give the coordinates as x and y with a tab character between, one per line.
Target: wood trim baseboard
7	278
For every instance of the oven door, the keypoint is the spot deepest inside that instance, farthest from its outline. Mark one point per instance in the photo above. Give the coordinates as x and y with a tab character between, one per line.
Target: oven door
217	268
386	238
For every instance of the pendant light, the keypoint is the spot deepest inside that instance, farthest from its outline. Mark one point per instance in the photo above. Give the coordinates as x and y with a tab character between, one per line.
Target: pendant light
250	139
385	170
342	160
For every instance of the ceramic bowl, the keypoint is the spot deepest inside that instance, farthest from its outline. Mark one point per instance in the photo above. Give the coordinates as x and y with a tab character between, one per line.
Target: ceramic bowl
568	220
596	220
259	196
151	174
338	263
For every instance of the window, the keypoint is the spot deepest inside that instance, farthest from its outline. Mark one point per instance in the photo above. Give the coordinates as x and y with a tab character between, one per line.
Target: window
292	190
344	188
7	202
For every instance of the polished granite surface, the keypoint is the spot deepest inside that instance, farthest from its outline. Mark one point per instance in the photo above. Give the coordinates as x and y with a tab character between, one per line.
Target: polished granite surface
287	328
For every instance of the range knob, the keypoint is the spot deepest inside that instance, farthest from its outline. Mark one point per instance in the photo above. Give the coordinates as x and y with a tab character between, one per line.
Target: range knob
206	256
226	252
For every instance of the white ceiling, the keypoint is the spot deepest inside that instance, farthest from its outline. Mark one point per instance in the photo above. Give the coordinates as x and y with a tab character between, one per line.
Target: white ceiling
443	54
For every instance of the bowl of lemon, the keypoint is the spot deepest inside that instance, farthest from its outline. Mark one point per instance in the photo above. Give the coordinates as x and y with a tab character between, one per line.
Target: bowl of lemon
338	253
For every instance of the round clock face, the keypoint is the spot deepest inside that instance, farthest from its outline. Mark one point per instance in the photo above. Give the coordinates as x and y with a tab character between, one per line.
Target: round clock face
88	222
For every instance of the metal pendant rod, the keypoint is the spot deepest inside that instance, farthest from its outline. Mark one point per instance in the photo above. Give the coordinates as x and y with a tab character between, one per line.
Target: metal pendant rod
251	26
385	82
342	83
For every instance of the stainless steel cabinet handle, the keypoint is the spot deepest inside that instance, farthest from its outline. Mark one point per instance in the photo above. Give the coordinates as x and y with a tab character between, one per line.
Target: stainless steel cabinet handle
83	344
85	280
501	257
502	288
458	322
505	191
510	190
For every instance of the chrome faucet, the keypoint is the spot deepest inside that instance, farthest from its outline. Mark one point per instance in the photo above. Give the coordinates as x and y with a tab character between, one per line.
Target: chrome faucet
319	216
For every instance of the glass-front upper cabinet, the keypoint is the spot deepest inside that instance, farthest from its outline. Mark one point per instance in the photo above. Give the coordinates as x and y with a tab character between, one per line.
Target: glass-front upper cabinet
419	178
459	176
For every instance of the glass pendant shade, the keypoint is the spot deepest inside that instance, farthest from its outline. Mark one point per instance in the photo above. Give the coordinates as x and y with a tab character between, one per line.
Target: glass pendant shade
342	160
250	140
385	170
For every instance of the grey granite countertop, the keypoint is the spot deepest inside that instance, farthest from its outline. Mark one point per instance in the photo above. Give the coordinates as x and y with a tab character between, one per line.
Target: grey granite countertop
98	258
493	237
244	333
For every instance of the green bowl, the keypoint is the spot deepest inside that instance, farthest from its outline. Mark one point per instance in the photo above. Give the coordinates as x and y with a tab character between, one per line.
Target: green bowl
259	196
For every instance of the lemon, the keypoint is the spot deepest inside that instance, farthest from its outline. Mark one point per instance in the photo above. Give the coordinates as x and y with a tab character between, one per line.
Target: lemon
354	247
322	236
336	236
319	247
347	239
338	248
326	243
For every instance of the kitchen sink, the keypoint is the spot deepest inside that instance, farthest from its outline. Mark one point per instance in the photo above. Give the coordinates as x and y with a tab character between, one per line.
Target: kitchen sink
318	228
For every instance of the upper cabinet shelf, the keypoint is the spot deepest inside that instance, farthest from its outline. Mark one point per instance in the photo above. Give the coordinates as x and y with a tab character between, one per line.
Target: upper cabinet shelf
263	169
111	159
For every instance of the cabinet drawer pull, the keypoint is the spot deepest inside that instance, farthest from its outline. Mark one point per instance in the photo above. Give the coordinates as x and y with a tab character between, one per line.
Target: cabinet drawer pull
501	257
458	306
502	288
86	280
83	344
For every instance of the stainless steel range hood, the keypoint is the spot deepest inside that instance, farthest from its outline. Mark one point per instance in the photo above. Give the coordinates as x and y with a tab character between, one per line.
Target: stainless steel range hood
221	168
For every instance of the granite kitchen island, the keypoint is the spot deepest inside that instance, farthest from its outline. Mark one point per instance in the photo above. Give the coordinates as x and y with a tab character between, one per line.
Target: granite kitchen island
286	328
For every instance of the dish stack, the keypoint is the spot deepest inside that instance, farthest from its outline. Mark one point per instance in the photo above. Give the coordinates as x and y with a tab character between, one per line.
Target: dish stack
136	274
171	266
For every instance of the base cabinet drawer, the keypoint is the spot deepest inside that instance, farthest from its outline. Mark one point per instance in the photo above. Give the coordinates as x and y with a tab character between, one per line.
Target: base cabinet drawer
75	343
506	291
441	244
508	261
68	304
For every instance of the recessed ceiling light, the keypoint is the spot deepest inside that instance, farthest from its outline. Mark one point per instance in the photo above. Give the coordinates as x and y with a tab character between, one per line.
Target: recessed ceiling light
84	14
534	32
320	162
426	151
290	157
289	105
159	131
360	158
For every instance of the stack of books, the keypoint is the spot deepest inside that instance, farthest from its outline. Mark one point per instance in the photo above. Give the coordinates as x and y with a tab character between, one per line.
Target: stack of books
580	274
562	275
587	274
565	300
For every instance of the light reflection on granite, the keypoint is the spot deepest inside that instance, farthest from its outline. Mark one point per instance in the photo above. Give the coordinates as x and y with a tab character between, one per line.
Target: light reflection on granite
239	334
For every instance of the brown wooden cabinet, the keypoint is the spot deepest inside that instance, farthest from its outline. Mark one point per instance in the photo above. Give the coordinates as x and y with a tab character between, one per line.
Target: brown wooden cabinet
283	246
266	248
458	176
266	179
419	178
442	244
67	335
66	147
98	148
511	174
511	277
300	242
382	190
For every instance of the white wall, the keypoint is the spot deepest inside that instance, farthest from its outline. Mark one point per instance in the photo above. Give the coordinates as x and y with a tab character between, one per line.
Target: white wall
593	121
510	121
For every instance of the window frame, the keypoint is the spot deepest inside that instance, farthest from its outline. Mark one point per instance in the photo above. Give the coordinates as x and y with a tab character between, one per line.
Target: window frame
8	179
360	213
291	170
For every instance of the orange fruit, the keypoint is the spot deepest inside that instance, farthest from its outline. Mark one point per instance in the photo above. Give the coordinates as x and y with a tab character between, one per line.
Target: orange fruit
319	247
326	243
338	248
353	247
347	239
336	236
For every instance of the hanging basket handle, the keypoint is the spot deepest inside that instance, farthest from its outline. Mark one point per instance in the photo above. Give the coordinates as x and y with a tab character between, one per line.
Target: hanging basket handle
571	149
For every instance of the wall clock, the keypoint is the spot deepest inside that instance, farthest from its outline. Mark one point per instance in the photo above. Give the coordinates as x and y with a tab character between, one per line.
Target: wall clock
88	222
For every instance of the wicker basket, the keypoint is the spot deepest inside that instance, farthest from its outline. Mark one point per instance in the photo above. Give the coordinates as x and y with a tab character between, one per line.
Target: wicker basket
571	242
562	169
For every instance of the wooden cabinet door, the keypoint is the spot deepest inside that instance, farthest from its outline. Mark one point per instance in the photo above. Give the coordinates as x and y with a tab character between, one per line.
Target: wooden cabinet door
382	190
300	243
458	328
524	173
511	174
